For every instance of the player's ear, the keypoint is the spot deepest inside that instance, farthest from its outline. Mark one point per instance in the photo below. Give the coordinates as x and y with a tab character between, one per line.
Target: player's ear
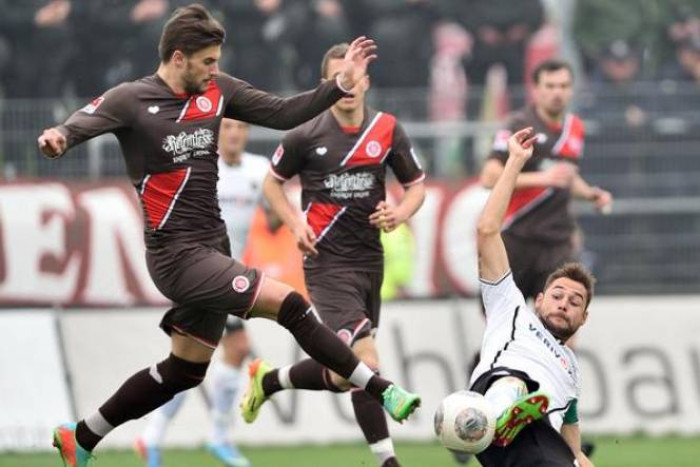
178	58
539	299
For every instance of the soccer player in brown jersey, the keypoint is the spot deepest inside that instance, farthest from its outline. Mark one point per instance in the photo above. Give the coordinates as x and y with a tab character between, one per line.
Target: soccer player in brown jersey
167	126
341	157
538	230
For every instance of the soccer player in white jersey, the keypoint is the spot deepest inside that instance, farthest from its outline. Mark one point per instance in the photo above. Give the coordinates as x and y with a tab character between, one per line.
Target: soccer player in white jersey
240	190
526	371
241	176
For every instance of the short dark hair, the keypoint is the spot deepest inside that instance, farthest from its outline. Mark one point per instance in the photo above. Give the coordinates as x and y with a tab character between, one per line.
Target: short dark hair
551	65
335	52
577	273
189	29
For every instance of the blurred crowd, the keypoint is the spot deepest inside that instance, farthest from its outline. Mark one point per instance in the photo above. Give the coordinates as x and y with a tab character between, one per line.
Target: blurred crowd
50	48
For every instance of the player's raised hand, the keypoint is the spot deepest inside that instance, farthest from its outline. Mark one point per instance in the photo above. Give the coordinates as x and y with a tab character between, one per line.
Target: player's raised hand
360	53
385	217
52	143
306	239
520	144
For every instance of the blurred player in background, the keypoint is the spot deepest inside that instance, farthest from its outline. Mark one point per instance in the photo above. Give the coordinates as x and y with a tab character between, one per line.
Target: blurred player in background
341	157
241	176
527	372
225	378
167	125
538	228
240	189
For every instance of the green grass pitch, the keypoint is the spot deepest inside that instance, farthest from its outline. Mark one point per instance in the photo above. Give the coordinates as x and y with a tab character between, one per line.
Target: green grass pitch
611	452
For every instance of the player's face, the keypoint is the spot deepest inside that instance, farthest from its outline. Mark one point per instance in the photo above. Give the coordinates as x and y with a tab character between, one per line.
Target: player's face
554	90
200	68
233	136
357	97
562	307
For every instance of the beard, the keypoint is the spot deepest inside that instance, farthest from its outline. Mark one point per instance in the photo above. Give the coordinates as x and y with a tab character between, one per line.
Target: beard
193	86
563	332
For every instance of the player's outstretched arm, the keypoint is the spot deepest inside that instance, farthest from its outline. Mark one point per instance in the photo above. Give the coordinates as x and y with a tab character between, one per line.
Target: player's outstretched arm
493	260
571	432
274	193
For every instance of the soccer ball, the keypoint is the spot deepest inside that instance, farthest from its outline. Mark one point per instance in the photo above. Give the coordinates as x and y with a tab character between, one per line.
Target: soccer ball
465	422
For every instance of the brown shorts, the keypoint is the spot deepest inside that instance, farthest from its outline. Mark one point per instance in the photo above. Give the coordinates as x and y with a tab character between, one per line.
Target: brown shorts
205	285
348	302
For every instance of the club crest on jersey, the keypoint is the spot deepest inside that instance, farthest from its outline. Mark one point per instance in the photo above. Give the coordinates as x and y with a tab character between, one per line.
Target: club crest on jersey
277	156
321	151
373	149
240	284
203	103
92	106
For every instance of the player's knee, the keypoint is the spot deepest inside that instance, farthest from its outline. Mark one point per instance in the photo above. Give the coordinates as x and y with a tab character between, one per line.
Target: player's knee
176	374
512	382
293	310
338	383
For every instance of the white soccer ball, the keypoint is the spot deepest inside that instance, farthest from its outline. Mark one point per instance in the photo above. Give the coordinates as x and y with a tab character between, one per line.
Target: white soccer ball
465	422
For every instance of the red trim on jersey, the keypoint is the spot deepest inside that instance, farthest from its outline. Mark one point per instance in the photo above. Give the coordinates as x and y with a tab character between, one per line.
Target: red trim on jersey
276	175
202	106
570	142
523	201
373	143
418	179
322	216
351	129
159	192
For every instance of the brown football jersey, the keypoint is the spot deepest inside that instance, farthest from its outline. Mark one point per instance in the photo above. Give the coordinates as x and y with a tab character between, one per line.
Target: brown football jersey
169	142
343	176
542	213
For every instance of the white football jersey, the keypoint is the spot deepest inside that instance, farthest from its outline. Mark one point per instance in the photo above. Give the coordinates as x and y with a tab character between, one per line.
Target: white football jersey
515	338
240	192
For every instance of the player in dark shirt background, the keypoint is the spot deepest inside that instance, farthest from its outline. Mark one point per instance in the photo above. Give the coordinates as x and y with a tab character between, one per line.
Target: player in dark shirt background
539	227
341	157
167	126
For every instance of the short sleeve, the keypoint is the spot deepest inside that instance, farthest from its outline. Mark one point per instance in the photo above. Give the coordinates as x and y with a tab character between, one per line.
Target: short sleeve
499	149
501	297
571	415
107	113
287	161
403	159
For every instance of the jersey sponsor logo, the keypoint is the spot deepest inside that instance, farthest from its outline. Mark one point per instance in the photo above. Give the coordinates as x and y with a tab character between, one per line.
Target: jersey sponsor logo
203	103
92	106
347	186
561	358
322	151
240	284
154	109
277	156
373	149
186	145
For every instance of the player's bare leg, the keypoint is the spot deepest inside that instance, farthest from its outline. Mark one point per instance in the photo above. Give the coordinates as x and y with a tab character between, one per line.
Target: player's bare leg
280	302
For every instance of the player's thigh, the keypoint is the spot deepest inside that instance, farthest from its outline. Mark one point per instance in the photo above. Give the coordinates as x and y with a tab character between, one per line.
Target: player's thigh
366	350
190	349
269	300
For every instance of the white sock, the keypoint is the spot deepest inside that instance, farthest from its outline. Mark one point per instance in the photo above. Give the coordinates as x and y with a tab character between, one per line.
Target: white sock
504	392
159	419
225	381
361	375
383	450
284	379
